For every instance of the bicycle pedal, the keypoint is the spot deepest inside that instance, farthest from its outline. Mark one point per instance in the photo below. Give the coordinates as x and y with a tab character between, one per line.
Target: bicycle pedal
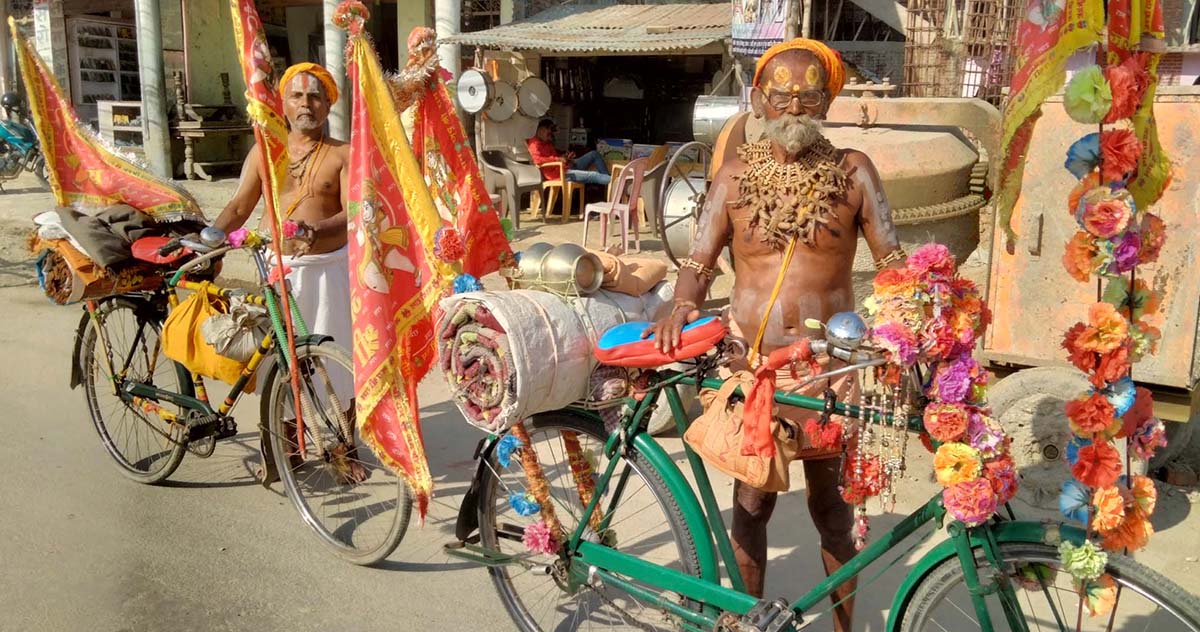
226	428
202	426
765	616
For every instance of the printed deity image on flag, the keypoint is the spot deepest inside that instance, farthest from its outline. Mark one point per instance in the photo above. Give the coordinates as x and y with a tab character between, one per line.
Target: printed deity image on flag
447	160
396	279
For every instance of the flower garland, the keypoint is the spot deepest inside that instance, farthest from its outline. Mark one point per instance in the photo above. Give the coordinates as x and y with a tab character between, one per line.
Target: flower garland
924	312
1114	238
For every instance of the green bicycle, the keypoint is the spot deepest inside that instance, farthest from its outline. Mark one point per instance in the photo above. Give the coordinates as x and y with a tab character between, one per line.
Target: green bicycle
149	410
645	547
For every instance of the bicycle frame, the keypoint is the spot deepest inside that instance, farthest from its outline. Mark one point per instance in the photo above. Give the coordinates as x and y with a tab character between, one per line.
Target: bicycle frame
147	397
703	520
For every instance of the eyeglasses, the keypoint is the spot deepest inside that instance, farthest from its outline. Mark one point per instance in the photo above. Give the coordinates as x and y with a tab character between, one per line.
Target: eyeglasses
809	99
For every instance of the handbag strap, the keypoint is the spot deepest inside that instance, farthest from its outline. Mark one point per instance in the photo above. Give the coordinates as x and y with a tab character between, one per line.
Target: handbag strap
762	326
741	378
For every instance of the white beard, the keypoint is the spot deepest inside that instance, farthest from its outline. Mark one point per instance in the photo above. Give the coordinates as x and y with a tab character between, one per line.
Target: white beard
793	133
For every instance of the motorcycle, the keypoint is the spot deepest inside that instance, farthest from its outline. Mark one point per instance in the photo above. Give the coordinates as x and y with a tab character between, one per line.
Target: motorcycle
20	150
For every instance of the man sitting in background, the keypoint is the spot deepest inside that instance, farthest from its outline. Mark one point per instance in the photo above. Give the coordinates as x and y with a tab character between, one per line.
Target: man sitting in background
588	168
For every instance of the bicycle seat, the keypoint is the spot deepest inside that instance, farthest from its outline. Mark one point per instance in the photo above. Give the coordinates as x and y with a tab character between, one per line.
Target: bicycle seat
146	249
624	346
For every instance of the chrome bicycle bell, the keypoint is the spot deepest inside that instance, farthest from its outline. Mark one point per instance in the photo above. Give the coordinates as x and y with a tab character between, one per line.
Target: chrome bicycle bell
846	330
212	237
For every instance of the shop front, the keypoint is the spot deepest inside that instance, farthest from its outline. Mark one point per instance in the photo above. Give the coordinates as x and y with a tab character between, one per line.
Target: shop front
622	79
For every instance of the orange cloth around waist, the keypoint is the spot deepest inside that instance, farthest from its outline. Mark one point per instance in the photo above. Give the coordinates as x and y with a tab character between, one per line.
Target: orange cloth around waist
846	387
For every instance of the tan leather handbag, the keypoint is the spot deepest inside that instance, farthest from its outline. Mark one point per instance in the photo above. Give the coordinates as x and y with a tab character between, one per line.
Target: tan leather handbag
717	434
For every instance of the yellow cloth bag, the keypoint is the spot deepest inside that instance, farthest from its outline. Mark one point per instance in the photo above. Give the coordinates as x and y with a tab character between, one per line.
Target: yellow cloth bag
184	343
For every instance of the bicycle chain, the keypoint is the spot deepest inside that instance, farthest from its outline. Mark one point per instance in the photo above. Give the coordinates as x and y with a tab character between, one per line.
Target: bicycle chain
627	615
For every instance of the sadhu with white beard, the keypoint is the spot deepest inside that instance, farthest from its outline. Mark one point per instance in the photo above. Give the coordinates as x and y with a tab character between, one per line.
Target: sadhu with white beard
791	207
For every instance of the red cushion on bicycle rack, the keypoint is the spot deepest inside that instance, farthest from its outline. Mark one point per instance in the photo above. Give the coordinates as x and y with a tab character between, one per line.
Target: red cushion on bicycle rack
146	249
624	346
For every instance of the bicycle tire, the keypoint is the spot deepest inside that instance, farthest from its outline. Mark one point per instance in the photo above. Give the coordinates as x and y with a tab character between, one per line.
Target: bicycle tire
1133	577
549	423
346	540
172	438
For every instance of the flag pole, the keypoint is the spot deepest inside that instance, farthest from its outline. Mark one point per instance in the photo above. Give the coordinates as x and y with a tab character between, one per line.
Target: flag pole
284	296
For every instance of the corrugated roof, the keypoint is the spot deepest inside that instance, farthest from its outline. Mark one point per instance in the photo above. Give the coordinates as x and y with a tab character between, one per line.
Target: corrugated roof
620	28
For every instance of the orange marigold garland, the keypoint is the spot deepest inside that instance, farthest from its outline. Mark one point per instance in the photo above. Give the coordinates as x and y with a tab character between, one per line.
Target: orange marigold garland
1114	238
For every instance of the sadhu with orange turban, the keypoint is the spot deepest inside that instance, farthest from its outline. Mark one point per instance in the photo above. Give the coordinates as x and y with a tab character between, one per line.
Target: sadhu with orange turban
790	208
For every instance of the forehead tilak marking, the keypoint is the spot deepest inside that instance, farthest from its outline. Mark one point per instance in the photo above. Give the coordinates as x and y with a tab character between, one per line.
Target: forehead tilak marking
306	82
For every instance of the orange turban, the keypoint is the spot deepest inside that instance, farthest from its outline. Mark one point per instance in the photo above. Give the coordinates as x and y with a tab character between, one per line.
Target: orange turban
835	71
315	70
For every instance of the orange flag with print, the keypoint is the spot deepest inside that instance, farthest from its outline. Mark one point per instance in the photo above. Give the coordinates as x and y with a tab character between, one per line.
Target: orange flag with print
82	171
263	103
395	282
448	160
1049	32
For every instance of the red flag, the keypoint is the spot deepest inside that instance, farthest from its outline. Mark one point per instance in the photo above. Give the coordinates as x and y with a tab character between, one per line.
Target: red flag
263	103
448	162
395	281
82	171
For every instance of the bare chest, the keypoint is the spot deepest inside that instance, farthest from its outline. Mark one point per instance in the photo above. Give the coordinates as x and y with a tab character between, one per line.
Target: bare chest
837	232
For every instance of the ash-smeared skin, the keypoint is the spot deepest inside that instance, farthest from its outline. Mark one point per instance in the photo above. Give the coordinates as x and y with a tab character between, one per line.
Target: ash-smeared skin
306	108
817	284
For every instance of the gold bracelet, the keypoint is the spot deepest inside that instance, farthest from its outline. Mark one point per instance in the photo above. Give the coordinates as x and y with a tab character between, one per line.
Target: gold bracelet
699	268
890	258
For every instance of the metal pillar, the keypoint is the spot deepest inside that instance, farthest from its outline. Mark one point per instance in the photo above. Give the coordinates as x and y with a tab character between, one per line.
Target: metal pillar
156	139
335	63
447	16
791	27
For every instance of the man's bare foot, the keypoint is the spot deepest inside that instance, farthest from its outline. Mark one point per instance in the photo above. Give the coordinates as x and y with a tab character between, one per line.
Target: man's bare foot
349	469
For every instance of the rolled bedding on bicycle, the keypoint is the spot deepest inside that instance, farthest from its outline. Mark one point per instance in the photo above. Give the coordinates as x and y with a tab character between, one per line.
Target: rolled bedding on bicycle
508	355
68	276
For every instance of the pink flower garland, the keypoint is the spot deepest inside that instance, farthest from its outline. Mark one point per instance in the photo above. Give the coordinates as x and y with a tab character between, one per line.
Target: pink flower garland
925	312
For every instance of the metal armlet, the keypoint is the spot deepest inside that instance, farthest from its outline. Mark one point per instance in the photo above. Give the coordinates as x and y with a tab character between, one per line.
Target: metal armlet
700	269
890	258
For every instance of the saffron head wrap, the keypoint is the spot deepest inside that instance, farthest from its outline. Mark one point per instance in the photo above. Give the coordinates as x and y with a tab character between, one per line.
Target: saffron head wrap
316	70
831	60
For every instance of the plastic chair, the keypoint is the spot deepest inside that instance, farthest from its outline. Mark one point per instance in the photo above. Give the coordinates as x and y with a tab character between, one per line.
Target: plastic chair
650	204
552	187
625	195
516	179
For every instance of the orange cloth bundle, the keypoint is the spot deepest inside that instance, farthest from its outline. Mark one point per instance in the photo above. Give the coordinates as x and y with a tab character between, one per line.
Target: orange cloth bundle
69	276
634	276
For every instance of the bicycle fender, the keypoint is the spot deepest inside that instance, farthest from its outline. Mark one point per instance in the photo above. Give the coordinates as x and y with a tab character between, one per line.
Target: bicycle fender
77	351
1051	533
689	506
468	511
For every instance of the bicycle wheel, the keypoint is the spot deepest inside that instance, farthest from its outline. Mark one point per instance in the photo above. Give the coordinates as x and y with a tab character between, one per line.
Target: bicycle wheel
144	447
355	504
1146	601
539	592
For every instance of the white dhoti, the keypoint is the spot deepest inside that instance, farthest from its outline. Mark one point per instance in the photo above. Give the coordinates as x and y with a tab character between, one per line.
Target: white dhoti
321	288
